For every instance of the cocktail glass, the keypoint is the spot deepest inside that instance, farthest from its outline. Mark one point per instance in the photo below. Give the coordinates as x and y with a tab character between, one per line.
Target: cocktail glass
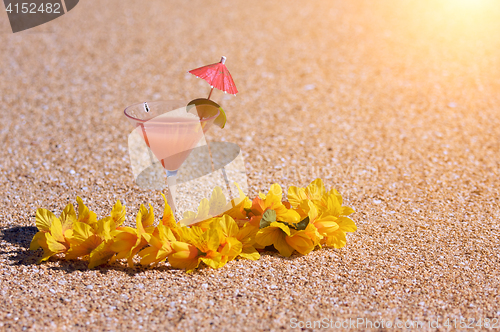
171	130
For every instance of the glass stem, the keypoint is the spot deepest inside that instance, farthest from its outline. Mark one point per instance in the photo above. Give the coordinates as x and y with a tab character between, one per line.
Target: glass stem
172	184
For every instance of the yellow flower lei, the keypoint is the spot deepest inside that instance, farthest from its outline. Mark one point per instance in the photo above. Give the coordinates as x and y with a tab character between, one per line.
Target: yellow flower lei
310	219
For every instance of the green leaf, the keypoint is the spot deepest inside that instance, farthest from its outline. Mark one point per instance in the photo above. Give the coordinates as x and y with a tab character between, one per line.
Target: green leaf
300	226
267	218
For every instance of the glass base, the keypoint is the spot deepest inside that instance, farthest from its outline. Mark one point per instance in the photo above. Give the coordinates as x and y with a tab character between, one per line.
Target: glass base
171	173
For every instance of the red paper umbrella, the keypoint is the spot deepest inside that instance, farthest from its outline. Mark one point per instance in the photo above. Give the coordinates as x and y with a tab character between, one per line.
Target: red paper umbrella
217	76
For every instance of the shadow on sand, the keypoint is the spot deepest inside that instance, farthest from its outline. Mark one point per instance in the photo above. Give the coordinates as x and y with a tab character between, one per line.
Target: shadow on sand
21	236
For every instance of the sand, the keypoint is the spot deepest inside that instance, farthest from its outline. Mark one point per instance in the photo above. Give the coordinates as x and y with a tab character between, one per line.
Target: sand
394	103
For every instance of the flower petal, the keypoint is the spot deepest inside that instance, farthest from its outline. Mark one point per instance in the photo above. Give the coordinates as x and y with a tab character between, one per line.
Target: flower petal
337	240
84	214
268	236
118	214
56	230
296	195
44	219
149	255
301	242
283	247
232	248
213	259
229	226
249	253
35	242
100	255
53	245
347	211
281	226
68	217
346	224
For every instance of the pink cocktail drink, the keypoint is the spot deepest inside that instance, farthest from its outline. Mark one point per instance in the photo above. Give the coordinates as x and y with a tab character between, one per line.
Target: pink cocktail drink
171	130
172	139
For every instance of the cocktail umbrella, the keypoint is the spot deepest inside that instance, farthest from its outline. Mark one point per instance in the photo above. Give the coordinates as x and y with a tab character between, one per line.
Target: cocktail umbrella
217	76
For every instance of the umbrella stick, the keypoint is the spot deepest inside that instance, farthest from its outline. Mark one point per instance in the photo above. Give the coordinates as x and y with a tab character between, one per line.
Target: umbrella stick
224	175
210	93
211	158
227	185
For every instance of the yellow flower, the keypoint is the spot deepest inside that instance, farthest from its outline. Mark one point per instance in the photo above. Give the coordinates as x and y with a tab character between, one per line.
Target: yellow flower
117	215
275	234
229	245
272	201
222	242
330	221
300	241
220	231
160	246
85	215
184	256
325	212
338	239
84	239
102	254
196	218
336	206
326	223
314	191
236	209
207	244
129	241
285	236
124	239
168	219
216	206
207	209
246	235
93	238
